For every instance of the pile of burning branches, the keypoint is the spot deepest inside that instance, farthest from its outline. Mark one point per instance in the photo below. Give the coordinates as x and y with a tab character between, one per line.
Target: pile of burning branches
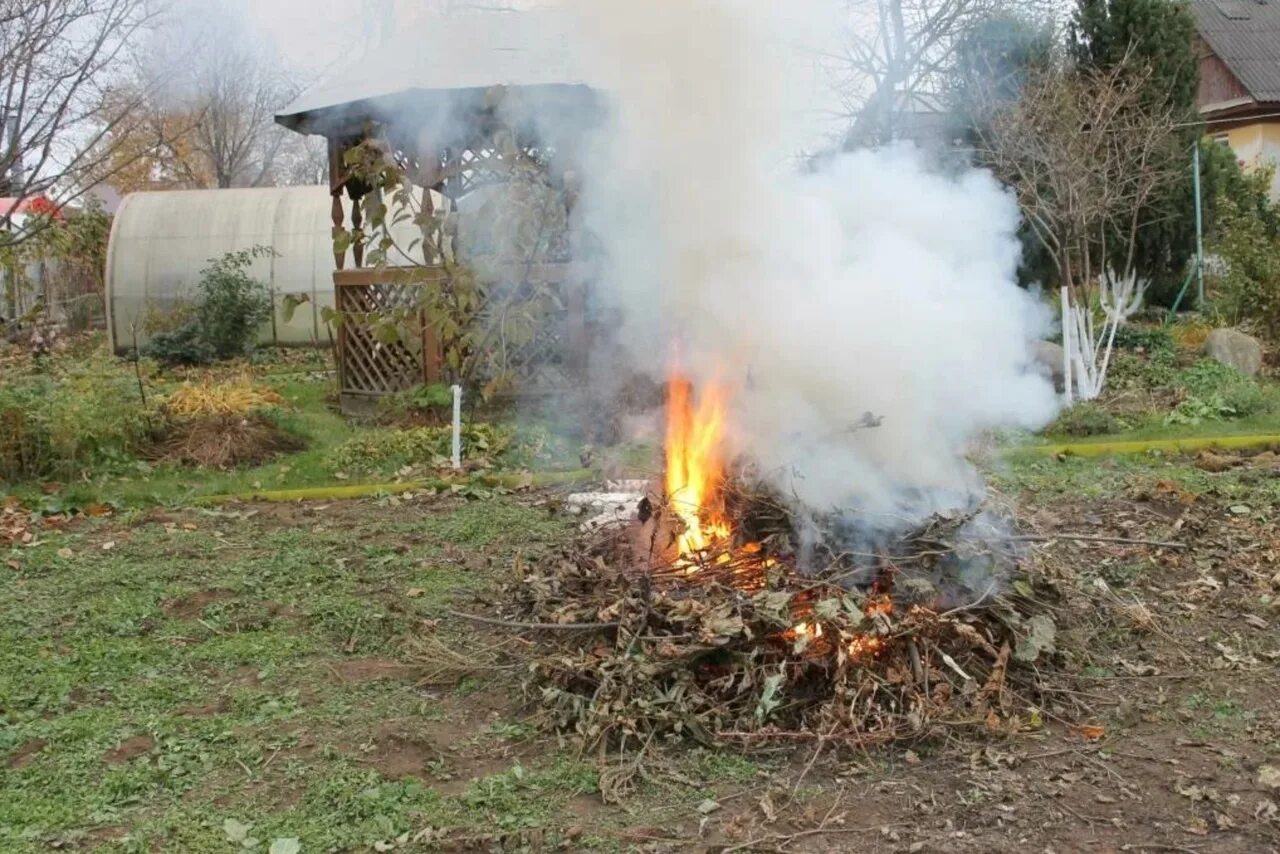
643	636
711	609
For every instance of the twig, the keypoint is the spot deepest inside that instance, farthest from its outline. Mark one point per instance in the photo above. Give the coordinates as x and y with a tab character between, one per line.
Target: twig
1088	538
513	624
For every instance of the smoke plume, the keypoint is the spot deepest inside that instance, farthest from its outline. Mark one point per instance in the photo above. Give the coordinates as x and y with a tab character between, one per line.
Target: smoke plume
864	291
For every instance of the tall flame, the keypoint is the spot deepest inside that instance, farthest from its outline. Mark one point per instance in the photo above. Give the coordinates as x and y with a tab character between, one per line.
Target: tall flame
695	467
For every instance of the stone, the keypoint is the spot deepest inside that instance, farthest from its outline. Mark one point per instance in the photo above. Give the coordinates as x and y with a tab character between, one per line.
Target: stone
1233	347
1048	362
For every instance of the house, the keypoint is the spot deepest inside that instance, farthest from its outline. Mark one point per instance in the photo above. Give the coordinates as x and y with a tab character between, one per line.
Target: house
1238	45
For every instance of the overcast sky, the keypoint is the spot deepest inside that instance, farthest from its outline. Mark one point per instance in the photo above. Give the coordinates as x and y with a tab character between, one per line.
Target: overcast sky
315	35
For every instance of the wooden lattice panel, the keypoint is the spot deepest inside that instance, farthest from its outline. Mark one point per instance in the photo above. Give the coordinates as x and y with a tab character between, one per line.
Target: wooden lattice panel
369	366
552	362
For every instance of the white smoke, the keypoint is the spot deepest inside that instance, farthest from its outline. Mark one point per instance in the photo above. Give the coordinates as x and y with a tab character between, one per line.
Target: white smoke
867	286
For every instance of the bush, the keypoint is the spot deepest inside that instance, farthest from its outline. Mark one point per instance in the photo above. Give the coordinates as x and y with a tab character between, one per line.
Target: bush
483	446
183	346
1217	392
1147	373
1147	339
426	404
231	306
1085	419
69	425
1245	287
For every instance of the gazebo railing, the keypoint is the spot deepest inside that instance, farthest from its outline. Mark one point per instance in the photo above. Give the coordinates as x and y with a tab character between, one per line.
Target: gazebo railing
371	368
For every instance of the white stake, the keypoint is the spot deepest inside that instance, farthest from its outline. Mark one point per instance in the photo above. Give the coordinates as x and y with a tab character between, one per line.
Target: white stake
457	428
1067	348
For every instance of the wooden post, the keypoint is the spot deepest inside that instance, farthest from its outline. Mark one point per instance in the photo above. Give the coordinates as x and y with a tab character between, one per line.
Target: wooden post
578	339
357	220
336	181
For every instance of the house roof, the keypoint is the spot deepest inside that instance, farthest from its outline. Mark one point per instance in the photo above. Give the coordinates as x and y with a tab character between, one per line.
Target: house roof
431	67
1245	35
37	205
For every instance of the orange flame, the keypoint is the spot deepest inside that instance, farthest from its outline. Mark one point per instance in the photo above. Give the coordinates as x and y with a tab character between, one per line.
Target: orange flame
695	467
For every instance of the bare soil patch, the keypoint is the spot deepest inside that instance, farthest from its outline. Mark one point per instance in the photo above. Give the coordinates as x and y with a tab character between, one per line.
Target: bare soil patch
360	670
26	753
192	606
139	745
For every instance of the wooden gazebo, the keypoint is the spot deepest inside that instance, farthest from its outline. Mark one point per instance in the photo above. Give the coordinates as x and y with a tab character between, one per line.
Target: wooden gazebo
434	95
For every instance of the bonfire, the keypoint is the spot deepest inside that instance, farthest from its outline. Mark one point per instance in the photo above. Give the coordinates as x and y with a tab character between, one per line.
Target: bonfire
695	614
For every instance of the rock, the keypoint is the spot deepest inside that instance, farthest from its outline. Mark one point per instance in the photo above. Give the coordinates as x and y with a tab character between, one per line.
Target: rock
1047	359
1232	347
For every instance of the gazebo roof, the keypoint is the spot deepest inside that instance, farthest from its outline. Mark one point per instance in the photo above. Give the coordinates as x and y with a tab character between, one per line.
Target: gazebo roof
431	71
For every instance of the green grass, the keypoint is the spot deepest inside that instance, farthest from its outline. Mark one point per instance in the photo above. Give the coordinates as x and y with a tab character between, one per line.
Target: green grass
1102	477
1267	424
96	649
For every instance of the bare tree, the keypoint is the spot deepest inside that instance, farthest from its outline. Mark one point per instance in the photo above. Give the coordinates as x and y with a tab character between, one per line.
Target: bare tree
210	96
237	93
57	60
898	54
1085	152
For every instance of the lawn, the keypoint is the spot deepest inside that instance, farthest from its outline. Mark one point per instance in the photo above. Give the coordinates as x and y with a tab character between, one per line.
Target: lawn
197	680
283	677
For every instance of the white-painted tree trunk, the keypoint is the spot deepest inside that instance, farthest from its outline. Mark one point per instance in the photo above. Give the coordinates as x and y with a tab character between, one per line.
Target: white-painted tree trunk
1087	351
457	428
1067	347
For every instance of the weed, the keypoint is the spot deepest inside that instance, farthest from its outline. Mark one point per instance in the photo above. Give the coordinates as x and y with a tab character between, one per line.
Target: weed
1084	419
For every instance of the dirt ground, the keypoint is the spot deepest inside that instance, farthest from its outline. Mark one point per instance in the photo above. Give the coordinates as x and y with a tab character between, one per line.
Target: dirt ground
279	667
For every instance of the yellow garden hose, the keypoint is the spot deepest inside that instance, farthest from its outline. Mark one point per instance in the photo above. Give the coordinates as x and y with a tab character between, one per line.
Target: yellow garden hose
1189	445
343	492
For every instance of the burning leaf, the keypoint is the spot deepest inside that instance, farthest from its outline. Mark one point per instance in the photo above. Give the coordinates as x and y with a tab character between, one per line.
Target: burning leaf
827	610
774	604
854	611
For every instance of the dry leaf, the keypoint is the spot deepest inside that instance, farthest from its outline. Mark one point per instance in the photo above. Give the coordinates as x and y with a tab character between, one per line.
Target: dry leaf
1091	732
1269	777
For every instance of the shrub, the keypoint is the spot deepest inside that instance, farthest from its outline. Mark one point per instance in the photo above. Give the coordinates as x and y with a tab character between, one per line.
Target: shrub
66	426
238	397
232	304
1085	419
230	307
1245	286
1217	392
430	446
183	346
1190	335
1133	371
426	404
1145	338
